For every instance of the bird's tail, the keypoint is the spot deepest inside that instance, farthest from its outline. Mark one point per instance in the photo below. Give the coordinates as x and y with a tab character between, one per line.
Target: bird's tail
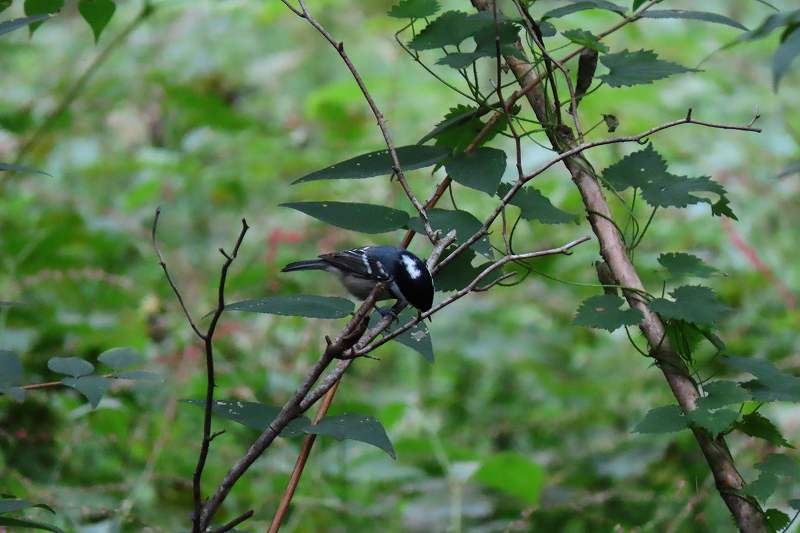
312	264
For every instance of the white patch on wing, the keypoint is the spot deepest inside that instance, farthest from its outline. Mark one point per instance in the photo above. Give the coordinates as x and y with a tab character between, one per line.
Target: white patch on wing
380	267
365	260
411	266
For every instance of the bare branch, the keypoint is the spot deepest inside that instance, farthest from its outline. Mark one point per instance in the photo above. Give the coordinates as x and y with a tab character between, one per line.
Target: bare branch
233	523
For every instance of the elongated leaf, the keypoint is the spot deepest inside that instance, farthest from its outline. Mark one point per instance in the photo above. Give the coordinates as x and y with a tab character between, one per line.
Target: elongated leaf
25	523
460	126
586	39
574	7
770	24
450	29
351	426
635	68
253	415
482	170
22	168
680	265
414	9
306	305
71	366
93	387
514	474
119	358
97	13
465	224
785	55
536	206
604	312
379	163
141	375
760	427
457	115
41	7
365	218
666	419
704	16
8	26
692	303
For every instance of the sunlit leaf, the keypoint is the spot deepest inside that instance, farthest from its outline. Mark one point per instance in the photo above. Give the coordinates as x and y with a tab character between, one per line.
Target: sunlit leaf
8	26
693	15
93	387
464	222
605	311
97	13
71	366
414	9
635	68
586	39
253	415
691	303
665	419
760	427
514	474
41	7
351	426
119	358
680	265
306	305
365	218
482	169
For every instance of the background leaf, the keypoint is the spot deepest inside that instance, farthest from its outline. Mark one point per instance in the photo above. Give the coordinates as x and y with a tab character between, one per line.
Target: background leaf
366	218
513	474
306	305
71	366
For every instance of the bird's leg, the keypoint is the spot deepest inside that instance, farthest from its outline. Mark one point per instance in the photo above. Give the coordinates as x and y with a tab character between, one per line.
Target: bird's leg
389	311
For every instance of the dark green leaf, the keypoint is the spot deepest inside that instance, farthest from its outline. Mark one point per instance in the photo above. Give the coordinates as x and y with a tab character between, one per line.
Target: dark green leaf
770	24
772	384
5	4
780	465
8	26
514	474
762	488
635	68
119	358
93	387
486	45
17	393
459	273
353	426
71	366
307	305
714	421
458	60
456	116
465	224
665	419
692	303
414	9
722	393
764	2
536	206
637	4
253	415
760	427
680	265
140	375
582	6
10	369
693	15
795	504
482	169
417	338
612	123
777	519
785	55
23	522
605	311
41	7
97	13
586	39
379	163
10	166
450	29
460	127
365	218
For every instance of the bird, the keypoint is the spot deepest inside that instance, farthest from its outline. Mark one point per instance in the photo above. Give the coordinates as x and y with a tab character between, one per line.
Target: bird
360	269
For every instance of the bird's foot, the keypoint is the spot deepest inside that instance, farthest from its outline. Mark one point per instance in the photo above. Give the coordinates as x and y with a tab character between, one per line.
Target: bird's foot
389	311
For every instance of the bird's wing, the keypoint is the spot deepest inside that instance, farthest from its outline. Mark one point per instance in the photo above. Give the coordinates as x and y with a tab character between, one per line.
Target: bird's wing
356	262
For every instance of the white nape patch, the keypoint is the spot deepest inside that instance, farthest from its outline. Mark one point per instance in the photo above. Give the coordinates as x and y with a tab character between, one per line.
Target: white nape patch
411	267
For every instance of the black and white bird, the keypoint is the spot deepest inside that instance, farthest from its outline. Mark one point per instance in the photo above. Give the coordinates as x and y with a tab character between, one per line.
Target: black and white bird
360	269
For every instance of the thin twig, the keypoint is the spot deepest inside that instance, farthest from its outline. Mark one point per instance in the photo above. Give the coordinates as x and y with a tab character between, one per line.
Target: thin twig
233	523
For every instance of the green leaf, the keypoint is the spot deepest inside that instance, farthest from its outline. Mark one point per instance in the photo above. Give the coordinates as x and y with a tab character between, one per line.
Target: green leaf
680	265
692	303
762	488
536	206
760	427
353	426
777	519
417	338
637	4
604	312
10	166
482	169
379	163
693	15
582	6
458	115
71	366
306	305
97	13
460	127
771	384
770	24
486	46
785	55
459	273
793	168
8	26
365	218
10	369
14	504
140	375
41	7
586	39
23	522
450	29
465	224
253	415
635	68
722	393
514	474
93	387
5	4
119	358
780	465
714	421
795	504
665	419
414	9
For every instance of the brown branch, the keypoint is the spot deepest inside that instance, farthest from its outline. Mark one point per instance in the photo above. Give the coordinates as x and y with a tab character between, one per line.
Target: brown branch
233	523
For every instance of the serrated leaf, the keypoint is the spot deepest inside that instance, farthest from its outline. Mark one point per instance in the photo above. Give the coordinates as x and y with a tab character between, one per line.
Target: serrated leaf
305	305
772	384
780	465
10	368
635	68
460	126
465	224
586	39
417	338
722	393
93	387
692	303
704	16
379	163
411	9
254	415
460	272
714	421
536	206
364	218
604	312
665	419
514	474
351	426
97	13
450	29
41	7
25	523
681	264
456	116
760	427
71	366
8	26
785	55
762	488
482	169
777	519
119	358
574	7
